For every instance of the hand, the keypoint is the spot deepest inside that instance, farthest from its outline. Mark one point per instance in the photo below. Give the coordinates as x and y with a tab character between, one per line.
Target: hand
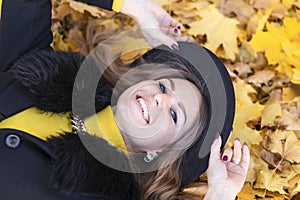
157	26
227	172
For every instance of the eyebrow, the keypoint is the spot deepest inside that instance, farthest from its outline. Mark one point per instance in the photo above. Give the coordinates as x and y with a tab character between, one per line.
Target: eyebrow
172	84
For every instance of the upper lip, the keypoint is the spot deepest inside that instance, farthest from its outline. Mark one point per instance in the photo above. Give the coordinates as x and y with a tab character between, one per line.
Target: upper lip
147	117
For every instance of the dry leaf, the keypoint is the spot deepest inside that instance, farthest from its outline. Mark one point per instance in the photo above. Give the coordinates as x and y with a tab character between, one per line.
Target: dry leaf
82	7
261	77
243	103
271	181
289	93
240	8
218	29
286	144
271	111
281	46
197	189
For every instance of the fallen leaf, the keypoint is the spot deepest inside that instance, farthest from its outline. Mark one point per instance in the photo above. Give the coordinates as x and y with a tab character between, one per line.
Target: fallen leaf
248	192
219	30
277	43
83	7
270	112
286	144
266	179
240	8
289	93
244	102
261	77
198	189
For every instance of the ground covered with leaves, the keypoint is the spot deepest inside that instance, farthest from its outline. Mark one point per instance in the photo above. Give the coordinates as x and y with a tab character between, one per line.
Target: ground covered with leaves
259	42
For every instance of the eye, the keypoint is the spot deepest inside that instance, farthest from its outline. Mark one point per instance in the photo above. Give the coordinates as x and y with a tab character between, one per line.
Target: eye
173	115
162	88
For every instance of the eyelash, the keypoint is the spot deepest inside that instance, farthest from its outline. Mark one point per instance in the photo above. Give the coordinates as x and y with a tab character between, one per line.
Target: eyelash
162	88
172	112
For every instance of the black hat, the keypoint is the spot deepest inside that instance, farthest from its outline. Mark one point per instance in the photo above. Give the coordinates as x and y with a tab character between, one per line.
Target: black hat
221	102
204	65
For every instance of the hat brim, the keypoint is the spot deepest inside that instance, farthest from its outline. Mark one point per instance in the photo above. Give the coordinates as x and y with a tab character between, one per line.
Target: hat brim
222	107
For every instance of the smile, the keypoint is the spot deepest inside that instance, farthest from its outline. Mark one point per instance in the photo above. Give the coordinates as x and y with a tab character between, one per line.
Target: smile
144	108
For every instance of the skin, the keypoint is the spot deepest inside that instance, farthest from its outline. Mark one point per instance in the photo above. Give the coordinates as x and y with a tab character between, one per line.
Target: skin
157	26
163	98
226	177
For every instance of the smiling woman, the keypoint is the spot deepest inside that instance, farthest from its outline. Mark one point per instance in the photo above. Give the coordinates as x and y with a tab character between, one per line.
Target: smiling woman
162	111
128	132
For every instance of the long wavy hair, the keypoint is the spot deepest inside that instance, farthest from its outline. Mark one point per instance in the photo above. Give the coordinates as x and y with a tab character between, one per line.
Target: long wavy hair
165	182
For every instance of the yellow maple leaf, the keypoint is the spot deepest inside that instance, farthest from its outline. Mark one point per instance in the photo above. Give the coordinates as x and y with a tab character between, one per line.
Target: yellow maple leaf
83	7
218	29
281	45
273	182
253	110
270	112
248	192
286	144
288	3
256	164
258	21
289	93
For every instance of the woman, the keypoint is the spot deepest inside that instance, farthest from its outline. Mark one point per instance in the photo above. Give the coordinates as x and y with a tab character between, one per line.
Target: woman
74	173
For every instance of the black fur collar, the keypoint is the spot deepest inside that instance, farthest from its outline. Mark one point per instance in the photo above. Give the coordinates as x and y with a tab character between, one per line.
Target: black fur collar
49	77
75	170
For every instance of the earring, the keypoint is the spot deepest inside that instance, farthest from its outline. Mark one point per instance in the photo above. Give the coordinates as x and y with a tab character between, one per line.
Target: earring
148	158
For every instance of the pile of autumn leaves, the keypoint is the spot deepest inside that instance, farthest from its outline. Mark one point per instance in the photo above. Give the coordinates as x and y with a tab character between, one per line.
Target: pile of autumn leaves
259	41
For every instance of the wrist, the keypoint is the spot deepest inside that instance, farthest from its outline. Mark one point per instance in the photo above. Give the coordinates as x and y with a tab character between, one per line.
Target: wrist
219	192
131	8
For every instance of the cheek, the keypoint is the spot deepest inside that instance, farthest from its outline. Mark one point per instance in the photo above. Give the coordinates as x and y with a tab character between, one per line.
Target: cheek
164	137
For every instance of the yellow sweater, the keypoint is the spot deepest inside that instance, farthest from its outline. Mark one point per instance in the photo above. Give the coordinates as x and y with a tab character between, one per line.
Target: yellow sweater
46	124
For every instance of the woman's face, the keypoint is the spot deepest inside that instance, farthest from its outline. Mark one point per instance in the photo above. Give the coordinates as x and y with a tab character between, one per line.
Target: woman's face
155	113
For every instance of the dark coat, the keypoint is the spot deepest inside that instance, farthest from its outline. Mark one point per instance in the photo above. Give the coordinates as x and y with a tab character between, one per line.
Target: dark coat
61	167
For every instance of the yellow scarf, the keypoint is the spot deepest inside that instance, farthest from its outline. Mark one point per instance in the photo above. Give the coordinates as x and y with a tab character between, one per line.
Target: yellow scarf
0	8
46	124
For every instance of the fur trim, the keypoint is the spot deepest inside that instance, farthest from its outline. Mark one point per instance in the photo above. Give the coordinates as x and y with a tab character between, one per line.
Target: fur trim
49	76
75	170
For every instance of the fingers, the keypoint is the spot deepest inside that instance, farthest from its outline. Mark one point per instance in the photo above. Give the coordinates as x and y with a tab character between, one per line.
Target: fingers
237	151
155	36
227	155
215	149
246	157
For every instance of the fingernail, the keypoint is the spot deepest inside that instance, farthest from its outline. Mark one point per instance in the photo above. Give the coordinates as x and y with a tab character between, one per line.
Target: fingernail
179	27
175	30
217	135
238	139
225	158
245	144
175	47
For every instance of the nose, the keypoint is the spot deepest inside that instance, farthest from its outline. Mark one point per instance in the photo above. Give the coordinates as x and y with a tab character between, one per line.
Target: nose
163	100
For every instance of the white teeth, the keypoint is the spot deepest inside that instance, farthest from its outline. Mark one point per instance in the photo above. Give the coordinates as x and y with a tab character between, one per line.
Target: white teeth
144	108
